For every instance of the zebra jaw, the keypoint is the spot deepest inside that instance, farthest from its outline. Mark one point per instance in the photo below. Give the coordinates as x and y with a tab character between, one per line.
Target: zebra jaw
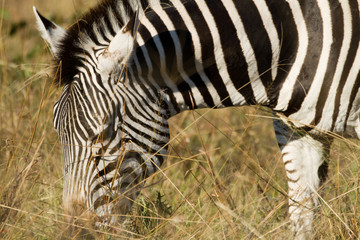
121	46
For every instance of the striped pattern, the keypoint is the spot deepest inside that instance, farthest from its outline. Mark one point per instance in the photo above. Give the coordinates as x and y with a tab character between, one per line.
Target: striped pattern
297	57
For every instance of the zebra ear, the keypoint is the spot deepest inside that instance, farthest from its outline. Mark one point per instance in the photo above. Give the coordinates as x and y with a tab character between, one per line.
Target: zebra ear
133	24
121	46
50	32
124	39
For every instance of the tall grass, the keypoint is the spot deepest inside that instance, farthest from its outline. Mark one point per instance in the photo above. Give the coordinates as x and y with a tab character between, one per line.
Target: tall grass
223	179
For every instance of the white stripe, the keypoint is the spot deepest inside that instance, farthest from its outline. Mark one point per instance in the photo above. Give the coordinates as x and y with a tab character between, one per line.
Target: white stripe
140	42
104	28
68	159
326	120
140	117
146	115
145	141
134	5
306	114
95	174
154	4
178	96
113	21
235	96
137	91
81	169
73	165
122	11
89	172
352	124
79	110
199	100
271	31
85	108
79	147
248	52
139	127
289	84
346	93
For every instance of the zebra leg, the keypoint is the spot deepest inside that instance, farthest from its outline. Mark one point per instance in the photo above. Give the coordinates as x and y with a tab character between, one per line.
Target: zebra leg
305	163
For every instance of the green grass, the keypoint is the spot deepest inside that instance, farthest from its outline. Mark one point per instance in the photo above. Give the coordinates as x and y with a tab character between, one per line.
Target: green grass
224	178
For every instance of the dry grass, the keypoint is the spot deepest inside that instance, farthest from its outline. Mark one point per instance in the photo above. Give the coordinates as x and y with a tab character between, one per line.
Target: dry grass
224	178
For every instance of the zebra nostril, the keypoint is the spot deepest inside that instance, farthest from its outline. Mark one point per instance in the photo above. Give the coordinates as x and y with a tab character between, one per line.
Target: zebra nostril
124	185
97	160
98	156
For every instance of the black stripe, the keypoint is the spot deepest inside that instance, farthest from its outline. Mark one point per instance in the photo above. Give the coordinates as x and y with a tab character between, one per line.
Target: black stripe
145	89
287	33
139	106
306	76
153	53
108	25
354	44
207	52
141	144
354	91
148	125
258	38
170	56
83	115
234	58
338	35
100	176
166	41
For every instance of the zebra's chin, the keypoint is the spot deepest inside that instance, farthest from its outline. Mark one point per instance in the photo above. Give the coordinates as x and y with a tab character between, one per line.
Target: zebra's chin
113	186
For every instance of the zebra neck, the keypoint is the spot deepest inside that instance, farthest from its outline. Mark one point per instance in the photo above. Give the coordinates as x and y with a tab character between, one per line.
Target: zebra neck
186	87
191	70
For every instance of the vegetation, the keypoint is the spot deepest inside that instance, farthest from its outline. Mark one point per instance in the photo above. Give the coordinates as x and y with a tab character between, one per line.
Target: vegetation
224	178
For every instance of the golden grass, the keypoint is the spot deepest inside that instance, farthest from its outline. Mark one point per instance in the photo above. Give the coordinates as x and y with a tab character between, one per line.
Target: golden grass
224	176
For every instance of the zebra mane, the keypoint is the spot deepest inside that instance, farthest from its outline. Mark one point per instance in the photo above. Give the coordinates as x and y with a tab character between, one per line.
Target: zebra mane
94	29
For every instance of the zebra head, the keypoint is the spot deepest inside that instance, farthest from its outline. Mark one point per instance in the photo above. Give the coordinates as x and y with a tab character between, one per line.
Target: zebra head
107	151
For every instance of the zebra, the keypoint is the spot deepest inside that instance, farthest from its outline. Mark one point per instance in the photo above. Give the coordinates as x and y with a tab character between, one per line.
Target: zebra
127	66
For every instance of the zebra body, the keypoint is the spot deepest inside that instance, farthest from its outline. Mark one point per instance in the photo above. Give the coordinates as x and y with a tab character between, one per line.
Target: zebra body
128	66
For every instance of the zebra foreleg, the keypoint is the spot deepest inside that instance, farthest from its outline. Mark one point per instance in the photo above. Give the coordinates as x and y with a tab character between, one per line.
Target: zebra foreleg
305	163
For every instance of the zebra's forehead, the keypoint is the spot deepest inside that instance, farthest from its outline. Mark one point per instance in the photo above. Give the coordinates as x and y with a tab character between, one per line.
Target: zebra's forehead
78	113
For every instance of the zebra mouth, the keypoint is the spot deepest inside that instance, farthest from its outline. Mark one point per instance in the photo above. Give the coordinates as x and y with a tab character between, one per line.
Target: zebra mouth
122	188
